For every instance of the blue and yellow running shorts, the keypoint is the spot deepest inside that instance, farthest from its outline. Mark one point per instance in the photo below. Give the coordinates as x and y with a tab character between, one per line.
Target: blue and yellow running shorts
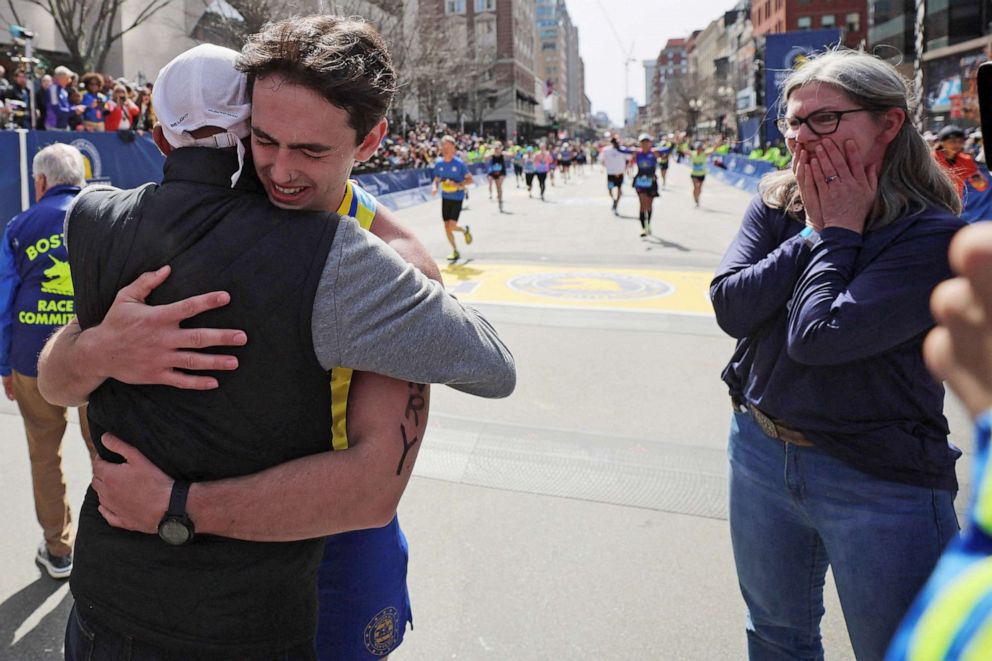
364	602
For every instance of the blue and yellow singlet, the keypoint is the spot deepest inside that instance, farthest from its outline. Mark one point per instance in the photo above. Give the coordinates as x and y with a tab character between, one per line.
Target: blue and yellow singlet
361	206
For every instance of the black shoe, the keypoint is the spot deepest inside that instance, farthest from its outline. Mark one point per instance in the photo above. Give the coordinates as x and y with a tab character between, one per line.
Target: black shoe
57	566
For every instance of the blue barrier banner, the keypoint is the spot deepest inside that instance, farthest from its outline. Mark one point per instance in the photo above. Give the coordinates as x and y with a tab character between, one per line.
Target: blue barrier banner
10	175
785	52
128	164
405	188
109	159
745	174
739	171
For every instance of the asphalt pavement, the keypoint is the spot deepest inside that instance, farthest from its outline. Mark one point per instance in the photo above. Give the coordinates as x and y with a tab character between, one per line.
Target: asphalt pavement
585	516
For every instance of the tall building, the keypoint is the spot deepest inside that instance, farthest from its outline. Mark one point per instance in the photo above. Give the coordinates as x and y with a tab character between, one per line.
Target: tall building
891	32
673	72
572	64
775	16
650	80
490	44
958	39
549	15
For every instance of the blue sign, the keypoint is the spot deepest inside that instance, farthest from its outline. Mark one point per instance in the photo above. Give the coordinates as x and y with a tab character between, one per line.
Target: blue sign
784	53
108	158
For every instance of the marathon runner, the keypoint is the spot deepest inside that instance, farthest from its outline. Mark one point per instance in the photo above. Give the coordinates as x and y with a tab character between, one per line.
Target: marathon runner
581	158
645	181
664	153
518	164
697	160
497	171
452	176
565	156
544	162
615	162
529	170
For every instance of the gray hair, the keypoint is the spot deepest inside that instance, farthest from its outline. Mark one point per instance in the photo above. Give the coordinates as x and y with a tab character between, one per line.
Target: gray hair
61	164
910	179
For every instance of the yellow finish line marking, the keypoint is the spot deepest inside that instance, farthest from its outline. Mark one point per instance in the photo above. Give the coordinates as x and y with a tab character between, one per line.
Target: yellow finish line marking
581	287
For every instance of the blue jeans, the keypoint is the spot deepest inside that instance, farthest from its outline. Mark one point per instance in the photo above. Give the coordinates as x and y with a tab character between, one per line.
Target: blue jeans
796	510
86	640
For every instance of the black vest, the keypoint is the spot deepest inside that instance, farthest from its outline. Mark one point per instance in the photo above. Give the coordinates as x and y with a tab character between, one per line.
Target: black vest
216	593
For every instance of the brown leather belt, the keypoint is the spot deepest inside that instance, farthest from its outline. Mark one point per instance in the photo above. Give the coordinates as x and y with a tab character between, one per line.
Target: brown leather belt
772	428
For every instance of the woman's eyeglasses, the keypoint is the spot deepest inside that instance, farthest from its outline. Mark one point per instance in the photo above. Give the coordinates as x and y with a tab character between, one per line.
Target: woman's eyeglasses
821	122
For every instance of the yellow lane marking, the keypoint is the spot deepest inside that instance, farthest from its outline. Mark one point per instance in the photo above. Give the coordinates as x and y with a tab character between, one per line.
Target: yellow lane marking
581	287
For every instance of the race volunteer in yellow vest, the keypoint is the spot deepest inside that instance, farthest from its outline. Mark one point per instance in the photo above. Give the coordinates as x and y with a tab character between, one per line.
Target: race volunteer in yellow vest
36	300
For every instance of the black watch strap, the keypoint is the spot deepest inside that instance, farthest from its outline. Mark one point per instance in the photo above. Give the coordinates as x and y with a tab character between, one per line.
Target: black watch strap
177	501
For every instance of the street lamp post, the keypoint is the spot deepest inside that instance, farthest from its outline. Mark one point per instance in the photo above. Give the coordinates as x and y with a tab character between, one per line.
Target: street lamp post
695	106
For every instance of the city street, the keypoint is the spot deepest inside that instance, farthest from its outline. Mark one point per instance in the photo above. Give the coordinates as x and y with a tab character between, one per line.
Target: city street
585	516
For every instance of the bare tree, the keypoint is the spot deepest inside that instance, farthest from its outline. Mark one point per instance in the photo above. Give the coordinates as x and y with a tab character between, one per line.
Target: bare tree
89	28
230	22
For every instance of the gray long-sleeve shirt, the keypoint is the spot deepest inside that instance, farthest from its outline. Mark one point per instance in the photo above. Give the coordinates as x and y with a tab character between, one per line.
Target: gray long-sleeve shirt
376	313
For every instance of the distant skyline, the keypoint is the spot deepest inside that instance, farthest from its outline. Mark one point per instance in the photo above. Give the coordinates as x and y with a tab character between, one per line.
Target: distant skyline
643	27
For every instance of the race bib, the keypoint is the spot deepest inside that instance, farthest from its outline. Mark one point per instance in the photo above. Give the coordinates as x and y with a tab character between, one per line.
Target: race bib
643	182
449	186
497	167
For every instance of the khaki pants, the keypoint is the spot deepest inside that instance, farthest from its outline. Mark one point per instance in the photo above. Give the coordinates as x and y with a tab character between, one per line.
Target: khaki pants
45	425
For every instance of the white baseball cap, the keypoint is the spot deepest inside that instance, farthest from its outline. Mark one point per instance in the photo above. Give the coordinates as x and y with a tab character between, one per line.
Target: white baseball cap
201	87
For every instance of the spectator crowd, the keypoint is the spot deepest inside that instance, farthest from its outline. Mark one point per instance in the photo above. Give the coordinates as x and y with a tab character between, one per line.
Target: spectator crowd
64	100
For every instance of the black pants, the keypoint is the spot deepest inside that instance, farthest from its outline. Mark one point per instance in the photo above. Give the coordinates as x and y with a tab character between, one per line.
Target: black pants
91	641
542	177
529	178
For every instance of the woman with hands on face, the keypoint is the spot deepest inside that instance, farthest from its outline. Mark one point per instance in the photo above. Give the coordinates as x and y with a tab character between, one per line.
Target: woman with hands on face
838	444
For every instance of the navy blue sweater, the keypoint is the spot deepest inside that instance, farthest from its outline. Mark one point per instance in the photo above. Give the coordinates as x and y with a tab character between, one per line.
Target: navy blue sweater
830	338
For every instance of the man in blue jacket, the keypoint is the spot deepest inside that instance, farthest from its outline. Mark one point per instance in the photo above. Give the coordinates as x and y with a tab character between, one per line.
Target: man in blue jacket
36	299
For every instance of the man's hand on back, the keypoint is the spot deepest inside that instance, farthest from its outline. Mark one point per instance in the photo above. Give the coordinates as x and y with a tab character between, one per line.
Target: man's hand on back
138	344
144	344
133	495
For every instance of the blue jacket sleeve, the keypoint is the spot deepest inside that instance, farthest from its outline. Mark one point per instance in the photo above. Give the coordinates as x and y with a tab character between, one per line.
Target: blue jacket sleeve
758	273
9	282
839	316
59	103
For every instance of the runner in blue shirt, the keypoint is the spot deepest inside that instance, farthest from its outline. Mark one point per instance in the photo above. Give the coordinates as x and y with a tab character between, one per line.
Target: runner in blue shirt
565	156
518	164
496	172
645	181
530	171
451	175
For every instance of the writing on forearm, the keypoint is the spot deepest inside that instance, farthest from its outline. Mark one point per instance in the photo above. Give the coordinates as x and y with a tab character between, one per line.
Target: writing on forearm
415	403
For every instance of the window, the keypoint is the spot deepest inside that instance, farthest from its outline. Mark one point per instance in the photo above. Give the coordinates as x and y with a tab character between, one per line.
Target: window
828	21
454	6
549	46
485	5
804	23
853	22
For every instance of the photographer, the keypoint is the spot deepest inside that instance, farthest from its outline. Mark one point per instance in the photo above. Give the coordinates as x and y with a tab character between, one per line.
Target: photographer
122	112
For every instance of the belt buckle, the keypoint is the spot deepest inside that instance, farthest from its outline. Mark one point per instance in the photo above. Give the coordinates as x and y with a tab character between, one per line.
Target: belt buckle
764	422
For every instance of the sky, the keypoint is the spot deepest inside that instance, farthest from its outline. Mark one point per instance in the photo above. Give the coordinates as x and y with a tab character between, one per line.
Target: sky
643	27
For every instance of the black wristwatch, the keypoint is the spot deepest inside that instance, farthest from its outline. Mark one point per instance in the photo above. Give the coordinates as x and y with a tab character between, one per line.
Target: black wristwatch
176	528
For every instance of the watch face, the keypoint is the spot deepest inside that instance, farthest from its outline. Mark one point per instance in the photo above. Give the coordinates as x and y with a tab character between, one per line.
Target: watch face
174	531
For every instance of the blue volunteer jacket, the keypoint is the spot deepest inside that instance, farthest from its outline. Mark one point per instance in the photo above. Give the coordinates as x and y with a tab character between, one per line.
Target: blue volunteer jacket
36	296
952	617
